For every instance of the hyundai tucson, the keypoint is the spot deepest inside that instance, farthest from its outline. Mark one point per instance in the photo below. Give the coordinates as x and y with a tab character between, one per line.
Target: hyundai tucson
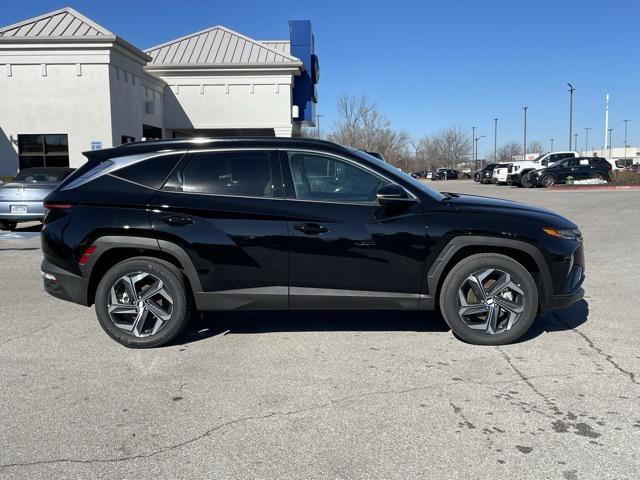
148	232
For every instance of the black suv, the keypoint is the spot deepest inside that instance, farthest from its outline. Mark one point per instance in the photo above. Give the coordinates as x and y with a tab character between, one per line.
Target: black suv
578	168
485	173
445	174
148	231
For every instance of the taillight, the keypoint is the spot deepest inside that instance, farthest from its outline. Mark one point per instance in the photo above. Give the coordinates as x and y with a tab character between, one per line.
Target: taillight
57	206
84	259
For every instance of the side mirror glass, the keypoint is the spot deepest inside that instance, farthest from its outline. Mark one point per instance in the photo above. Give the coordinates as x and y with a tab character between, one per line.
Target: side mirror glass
393	195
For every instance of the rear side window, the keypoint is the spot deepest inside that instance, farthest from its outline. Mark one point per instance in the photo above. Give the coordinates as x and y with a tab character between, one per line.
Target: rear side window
151	172
242	174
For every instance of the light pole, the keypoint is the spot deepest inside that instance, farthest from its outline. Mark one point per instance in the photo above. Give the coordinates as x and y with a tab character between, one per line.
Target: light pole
476	144
318	117
495	139
552	144
524	152
575	140
473	145
626	122
610	148
586	140
571	90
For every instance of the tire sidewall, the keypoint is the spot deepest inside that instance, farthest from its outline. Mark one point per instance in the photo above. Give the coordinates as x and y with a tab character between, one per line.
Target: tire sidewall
545	183
173	283
449	298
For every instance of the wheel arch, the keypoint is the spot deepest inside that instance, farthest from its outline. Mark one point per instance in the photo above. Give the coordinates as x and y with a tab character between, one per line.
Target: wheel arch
111	250
461	247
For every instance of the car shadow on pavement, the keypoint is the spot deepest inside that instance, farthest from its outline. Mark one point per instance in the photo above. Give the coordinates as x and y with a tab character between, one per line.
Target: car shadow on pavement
209	324
205	325
558	320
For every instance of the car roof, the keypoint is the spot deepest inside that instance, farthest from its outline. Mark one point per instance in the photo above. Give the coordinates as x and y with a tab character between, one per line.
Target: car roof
207	143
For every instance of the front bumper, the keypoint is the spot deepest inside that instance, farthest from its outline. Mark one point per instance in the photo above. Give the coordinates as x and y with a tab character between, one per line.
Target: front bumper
64	285
513	178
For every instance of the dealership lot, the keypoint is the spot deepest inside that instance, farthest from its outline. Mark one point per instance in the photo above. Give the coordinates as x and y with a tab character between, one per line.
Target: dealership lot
331	395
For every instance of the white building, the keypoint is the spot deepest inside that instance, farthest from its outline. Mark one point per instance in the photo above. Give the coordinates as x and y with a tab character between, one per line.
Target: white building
68	85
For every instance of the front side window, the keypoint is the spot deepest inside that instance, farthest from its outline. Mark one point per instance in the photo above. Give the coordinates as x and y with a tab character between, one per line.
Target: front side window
245	174
328	179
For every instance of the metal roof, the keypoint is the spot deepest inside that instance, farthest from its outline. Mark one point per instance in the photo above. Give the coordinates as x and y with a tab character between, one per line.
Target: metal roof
219	45
283	46
63	23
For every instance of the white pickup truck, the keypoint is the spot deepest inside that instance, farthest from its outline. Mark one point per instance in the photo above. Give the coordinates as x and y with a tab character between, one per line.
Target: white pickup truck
517	171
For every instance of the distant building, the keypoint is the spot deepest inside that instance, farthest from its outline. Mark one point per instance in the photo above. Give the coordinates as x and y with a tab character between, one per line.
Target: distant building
68	85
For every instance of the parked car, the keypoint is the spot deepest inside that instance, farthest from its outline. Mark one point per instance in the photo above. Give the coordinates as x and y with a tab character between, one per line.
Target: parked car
517	172
21	198
579	168
499	174
445	174
147	231
484	174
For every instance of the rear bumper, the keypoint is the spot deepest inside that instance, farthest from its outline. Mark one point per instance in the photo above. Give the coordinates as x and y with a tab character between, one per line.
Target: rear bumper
64	285
35	210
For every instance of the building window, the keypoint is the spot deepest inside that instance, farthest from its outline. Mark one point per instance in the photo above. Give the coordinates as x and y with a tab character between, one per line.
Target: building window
39	150
126	139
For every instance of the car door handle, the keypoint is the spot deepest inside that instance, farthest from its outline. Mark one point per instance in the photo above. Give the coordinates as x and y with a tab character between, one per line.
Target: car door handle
176	221
311	228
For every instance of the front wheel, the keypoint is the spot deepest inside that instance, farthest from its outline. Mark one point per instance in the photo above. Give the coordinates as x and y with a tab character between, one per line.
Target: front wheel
525	182
489	299
143	302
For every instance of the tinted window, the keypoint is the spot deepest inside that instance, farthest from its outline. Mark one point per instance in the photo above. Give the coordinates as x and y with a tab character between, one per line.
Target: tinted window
324	178
151	172
37	176
228	173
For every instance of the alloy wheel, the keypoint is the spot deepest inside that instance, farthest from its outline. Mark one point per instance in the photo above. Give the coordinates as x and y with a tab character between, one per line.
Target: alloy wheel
490	301
139	304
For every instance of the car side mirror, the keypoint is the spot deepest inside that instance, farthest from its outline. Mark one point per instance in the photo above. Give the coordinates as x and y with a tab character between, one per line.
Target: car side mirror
393	195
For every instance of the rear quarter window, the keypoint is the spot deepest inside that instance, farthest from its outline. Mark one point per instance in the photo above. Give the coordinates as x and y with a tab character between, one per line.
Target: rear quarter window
151	172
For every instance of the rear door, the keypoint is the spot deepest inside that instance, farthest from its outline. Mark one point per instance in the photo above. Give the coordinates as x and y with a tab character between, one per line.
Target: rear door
226	209
347	250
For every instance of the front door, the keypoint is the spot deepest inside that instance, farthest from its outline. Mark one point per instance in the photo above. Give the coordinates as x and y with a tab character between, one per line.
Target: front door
227	212
347	250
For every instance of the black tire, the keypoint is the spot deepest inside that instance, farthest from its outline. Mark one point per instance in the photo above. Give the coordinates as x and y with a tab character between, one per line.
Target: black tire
600	176
548	181
450	303
8	225
175	286
524	181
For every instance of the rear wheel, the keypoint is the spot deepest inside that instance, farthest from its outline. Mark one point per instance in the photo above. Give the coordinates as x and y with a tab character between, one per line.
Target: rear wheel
143	302
489	299
548	181
8	225
599	176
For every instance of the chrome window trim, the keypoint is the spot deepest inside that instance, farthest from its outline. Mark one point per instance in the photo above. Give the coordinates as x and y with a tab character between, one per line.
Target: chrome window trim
286	150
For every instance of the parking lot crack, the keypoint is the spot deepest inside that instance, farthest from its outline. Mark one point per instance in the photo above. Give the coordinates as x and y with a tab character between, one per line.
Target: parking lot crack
18	337
609	358
214	429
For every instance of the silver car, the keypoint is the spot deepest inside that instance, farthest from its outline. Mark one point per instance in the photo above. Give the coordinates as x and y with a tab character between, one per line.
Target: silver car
21	198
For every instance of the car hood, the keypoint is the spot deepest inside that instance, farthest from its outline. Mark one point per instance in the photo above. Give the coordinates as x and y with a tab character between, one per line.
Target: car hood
498	205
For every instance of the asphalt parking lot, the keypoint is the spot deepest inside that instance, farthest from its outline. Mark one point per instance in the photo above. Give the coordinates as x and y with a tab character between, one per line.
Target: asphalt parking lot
332	396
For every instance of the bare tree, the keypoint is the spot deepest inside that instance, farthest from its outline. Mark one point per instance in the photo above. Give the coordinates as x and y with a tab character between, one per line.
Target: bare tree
361	125
535	147
509	150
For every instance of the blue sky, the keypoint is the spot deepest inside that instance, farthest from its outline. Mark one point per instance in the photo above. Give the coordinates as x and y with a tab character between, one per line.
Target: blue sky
432	64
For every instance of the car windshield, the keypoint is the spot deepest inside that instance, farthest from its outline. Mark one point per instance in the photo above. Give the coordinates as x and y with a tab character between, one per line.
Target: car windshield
40	176
538	158
394	171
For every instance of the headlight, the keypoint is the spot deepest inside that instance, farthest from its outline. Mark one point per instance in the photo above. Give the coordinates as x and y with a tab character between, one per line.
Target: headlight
568	233
487	174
